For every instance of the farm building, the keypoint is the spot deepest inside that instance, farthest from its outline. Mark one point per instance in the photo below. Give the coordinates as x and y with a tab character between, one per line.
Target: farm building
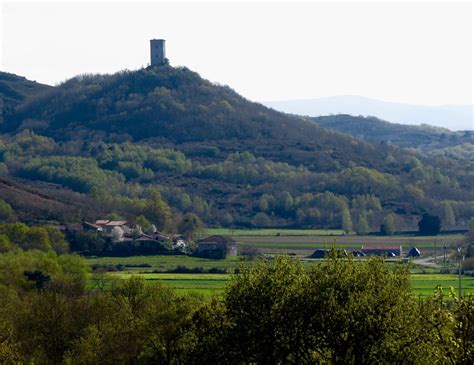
108	225
217	247
414	252
389	251
322	253
92	227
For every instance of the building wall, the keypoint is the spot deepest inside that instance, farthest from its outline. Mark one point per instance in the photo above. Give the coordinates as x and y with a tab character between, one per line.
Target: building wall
157	52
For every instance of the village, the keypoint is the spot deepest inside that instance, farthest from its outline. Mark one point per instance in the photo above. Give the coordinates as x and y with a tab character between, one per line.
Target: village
124	239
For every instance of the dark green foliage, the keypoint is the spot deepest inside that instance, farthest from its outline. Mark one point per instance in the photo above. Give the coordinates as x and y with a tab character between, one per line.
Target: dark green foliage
429	225
19	235
6	211
189	226
342	311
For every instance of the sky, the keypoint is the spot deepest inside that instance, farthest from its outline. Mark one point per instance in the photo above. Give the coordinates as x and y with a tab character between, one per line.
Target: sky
417	53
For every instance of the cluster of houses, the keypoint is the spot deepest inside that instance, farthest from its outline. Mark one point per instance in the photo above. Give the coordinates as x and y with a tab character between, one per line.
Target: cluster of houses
387	251
129	239
126	238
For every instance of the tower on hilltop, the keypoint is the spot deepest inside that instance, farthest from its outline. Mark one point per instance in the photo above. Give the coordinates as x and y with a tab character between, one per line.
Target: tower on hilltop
157	52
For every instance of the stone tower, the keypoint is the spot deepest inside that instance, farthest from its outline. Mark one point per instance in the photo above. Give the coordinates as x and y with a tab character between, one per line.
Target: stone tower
157	52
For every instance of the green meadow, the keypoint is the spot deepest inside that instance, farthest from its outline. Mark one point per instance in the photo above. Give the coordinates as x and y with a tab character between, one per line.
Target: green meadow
208	284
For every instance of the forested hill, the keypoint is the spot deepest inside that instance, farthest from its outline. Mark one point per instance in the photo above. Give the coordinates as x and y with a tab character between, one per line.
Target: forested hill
119	138
174	106
16	89
425	138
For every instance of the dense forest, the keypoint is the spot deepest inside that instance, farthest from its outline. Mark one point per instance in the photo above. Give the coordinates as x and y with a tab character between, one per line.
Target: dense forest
101	144
339	312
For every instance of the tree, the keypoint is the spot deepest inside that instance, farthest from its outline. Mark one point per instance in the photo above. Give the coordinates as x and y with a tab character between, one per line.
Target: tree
6	211
36	238
447	214
362	312
227	220
346	221
5	244
144	224
158	212
388	225
264	314
261	220
363	226
429	225
189	226
263	203
117	234
58	242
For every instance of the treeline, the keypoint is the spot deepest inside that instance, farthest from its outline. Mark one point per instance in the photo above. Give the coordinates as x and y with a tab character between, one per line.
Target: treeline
272	312
15	236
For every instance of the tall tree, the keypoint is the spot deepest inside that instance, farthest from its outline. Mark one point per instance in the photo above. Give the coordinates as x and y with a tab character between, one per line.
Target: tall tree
158	212
189	226
429	225
388	226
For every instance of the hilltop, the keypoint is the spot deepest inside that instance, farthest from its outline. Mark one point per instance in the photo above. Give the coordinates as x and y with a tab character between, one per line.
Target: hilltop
206	149
176	107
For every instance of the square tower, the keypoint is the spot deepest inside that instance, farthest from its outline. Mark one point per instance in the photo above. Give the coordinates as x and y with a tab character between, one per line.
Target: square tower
157	52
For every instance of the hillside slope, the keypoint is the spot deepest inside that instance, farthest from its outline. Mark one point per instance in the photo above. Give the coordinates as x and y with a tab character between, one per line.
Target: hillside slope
426	139
174	106
15	90
121	138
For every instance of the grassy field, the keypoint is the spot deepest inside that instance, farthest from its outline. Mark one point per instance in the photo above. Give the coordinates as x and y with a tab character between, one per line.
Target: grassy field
423	284
163	262
272	232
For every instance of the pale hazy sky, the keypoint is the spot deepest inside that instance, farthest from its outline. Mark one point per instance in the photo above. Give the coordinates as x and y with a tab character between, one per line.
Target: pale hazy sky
417	53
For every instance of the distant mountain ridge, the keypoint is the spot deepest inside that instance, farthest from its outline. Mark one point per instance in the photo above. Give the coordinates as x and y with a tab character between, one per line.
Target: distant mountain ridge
426	139
446	116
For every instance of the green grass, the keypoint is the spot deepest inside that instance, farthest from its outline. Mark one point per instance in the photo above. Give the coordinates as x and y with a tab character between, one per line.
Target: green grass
273	232
186	283
422	284
165	262
425	284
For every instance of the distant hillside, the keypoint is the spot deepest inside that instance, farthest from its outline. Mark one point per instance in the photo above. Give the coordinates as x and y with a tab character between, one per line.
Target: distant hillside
425	138
34	202
446	116
15	90
161	142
